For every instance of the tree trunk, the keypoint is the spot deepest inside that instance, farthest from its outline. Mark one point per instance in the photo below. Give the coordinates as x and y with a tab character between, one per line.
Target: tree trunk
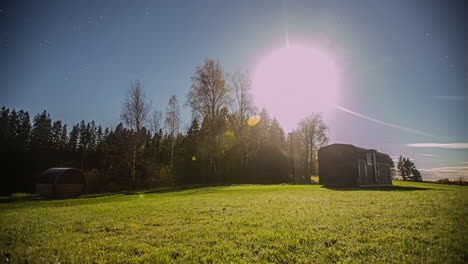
133	172
172	152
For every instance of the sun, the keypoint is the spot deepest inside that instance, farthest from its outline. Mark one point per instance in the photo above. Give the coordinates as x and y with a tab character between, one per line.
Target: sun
294	81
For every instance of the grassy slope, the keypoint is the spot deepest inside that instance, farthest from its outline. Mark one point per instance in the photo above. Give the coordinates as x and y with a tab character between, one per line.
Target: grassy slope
243	223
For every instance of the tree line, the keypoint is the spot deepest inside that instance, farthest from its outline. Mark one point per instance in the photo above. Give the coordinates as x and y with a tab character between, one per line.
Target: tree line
228	141
406	170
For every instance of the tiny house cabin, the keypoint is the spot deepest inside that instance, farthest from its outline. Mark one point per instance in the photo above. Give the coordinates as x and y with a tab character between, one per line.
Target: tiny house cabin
61	183
346	165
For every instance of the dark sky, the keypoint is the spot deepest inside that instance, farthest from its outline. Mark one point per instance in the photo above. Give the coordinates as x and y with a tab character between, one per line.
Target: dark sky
404	63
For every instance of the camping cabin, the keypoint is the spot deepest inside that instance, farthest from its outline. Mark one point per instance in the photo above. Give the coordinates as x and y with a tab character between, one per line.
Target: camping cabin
60	183
345	165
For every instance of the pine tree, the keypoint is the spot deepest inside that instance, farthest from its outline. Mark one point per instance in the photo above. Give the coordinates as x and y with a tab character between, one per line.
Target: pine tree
192	154
106	133
24	130
64	138
407	170
91	135
415	175
13	124
83	137
276	134
4	125
399	168
74	138
99	138
56	135
41	133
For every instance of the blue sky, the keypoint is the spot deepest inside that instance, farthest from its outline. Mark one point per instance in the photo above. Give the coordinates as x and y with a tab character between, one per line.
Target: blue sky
403	63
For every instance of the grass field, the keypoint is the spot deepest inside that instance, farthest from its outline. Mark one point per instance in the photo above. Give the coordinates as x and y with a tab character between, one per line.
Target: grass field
412	222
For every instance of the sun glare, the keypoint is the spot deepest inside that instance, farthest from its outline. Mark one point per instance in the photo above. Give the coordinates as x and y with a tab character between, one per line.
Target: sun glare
253	120
293	81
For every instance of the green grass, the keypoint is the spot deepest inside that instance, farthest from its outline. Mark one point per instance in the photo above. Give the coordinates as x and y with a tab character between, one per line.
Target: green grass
413	222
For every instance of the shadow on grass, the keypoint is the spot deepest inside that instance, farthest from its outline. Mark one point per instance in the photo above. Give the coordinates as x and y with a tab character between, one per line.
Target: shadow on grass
386	188
86	198
32	198
166	189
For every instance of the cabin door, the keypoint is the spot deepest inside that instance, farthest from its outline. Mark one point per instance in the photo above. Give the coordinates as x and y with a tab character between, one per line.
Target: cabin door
362	165
370	159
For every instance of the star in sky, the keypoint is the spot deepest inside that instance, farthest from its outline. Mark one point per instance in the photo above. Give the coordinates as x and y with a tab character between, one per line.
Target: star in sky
45	43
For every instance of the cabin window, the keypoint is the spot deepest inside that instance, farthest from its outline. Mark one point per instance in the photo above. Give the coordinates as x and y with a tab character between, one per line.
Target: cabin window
369	158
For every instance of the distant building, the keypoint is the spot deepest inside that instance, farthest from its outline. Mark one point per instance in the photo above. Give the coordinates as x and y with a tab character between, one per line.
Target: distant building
346	165
61	183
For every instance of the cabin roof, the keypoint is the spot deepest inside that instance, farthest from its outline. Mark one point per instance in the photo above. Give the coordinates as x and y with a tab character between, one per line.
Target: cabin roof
57	171
381	156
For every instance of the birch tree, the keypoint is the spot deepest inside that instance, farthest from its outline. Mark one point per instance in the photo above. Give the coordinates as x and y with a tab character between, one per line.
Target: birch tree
242	107
208	95
312	133
172	122
134	115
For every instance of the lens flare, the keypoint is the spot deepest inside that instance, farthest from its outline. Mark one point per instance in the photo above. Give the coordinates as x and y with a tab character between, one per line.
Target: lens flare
253	120
228	140
229	133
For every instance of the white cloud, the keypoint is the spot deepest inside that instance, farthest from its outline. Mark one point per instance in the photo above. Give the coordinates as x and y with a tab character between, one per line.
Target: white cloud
426	155
445	172
439	145
407	129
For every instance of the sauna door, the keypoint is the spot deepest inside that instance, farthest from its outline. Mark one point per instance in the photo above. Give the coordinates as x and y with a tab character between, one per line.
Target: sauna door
362	166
